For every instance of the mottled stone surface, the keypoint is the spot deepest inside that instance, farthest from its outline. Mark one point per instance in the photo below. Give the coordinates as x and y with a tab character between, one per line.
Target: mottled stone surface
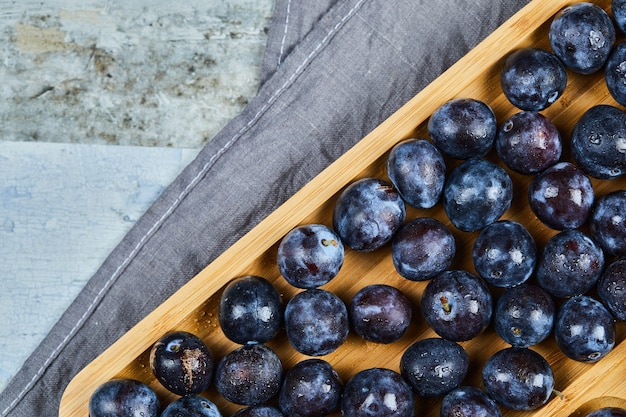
150	73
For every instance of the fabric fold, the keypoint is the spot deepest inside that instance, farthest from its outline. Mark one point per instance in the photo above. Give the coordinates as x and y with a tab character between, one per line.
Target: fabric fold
291	21
326	86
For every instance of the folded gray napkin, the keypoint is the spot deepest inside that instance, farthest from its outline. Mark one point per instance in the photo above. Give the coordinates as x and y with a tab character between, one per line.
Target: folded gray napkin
333	70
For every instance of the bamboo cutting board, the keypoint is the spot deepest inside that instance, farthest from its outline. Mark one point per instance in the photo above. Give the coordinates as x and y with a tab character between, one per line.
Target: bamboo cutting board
194	307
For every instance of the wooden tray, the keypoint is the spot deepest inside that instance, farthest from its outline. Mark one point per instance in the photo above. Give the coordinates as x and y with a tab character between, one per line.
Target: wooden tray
194	306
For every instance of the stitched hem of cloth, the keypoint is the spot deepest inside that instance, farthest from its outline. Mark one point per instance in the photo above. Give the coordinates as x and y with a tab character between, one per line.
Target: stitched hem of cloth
198	177
284	39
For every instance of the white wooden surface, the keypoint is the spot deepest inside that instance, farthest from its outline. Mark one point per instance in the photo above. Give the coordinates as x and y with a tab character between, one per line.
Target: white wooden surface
155	78
63	208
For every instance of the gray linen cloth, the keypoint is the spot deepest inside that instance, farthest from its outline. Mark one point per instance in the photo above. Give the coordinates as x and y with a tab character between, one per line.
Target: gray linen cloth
333	70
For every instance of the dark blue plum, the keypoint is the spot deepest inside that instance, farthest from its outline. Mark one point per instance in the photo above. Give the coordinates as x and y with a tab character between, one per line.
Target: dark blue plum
518	378
422	248
468	401
608	412
562	196
532	78
418	171
598	142
618	9
249	375
584	329
311	388
457	305
463	128
182	363
258	411
504	254
570	264
433	366
191	406
612	288
310	256
377	392
582	36
368	213
608	223
476	194
380	313
250	310
316	322
615	73
528	142
124	398
524	315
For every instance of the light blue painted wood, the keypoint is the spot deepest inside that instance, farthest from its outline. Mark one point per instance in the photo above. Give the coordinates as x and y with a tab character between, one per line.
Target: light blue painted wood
63	208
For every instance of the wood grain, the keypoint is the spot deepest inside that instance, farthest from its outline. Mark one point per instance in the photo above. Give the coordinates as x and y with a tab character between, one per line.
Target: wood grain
148	73
194	307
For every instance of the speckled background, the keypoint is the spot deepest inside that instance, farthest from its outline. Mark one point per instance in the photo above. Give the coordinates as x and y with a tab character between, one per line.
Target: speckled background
149	73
